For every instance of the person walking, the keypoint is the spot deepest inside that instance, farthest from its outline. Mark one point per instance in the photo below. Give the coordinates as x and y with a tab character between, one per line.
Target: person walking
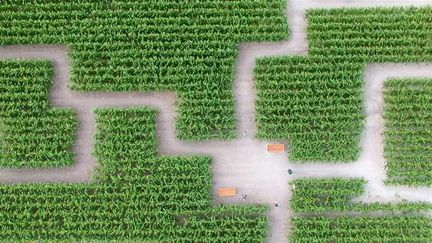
243	197
290	171
276	204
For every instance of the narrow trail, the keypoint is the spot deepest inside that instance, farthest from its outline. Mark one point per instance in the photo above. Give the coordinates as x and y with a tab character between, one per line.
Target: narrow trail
374	172
242	162
83	103
371	163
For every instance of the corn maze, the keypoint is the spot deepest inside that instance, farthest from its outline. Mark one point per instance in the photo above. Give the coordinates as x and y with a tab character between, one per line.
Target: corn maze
322	208
188	47
120	119
33	135
316	101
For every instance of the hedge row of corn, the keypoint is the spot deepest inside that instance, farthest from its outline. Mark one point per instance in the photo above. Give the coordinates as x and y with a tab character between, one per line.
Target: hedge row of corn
32	133
184	46
316	101
137	195
408	123
323	212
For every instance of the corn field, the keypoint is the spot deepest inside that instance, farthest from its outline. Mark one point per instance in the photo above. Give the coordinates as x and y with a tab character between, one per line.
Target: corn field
316	102
33	134
322	209
190	47
137	196
407	112
184	46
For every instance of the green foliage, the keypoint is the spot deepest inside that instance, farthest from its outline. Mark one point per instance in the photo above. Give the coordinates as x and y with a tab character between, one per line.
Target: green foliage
32	133
321	195
407	112
335	195
138	196
316	101
184	46
362	229
324	212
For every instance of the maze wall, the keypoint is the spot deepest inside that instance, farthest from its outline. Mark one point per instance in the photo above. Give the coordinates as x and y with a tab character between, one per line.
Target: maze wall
316	101
183	46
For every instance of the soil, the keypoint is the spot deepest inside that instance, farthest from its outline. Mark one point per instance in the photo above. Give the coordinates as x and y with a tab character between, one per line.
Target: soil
243	162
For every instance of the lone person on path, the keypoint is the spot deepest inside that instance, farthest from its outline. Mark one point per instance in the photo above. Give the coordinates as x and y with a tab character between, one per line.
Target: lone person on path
276	204
290	171
243	197
244	133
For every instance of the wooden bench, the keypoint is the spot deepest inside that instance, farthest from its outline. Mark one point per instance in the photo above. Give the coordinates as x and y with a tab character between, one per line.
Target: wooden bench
275	148
226	192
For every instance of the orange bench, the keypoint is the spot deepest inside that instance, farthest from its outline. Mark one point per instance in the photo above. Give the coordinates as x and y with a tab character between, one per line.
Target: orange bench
275	148
226	192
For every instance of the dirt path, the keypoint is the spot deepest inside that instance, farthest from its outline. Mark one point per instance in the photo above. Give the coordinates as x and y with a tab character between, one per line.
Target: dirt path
244	90
371	163
84	104
242	162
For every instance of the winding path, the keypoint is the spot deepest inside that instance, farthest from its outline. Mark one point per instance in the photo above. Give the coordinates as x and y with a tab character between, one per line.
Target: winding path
371	164
242	162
